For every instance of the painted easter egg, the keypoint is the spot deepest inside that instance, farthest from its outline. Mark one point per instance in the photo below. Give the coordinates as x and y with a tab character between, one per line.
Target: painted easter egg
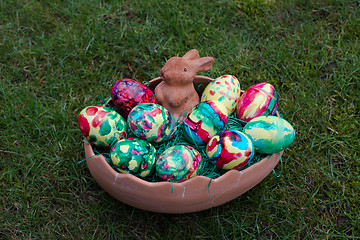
230	149
152	122
259	100
128	93
134	156
101	126
225	90
178	163
270	134
204	121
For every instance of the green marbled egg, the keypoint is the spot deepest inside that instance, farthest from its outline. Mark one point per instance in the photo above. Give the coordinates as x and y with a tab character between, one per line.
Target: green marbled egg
134	156
270	134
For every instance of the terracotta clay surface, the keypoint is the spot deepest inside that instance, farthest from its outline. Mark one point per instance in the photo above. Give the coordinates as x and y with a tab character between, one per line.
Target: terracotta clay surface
192	195
176	91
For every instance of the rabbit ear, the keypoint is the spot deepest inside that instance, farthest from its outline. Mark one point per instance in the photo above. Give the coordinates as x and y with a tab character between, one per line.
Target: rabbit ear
203	64
191	55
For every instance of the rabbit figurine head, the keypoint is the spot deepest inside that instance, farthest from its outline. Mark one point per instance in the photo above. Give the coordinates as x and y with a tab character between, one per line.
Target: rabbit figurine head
176	91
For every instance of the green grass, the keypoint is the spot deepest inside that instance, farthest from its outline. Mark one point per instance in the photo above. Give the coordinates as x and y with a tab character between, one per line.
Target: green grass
57	56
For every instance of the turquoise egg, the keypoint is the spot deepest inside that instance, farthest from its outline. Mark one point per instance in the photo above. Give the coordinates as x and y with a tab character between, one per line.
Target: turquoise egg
270	134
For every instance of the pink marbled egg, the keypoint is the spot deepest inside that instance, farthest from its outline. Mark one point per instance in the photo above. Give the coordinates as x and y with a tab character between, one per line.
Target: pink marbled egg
258	100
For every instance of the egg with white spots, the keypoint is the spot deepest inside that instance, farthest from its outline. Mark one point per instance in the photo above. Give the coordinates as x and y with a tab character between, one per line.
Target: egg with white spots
230	149
152	122
226	90
101	126
134	156
270	134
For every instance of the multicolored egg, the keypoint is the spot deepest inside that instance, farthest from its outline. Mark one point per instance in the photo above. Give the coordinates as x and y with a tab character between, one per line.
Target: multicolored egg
152	122
259	100
134	156
179	163
204	121
225	90
230	149
128	93
101	126
270	134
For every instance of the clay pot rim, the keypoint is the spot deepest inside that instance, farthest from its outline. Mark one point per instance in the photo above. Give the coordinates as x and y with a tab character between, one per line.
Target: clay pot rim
168	197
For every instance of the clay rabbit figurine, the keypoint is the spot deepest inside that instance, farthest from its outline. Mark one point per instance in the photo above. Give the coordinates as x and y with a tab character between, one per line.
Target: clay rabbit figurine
176	91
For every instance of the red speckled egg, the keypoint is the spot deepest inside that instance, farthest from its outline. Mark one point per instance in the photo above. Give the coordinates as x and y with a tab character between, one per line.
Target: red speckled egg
127	94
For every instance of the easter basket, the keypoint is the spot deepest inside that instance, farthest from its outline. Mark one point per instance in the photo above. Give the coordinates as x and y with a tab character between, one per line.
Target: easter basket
196	194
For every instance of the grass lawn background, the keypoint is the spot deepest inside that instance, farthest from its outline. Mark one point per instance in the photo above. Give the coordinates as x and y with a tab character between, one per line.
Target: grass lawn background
57	56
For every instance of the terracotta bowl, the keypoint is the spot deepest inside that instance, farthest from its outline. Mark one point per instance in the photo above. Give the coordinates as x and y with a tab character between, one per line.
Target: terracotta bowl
192	195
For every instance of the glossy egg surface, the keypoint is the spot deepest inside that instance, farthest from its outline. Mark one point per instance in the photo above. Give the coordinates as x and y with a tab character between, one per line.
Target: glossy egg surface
151	122
230	149
135	156
101	126
225	90
270	134
259	100
178	163
204	121
128	93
